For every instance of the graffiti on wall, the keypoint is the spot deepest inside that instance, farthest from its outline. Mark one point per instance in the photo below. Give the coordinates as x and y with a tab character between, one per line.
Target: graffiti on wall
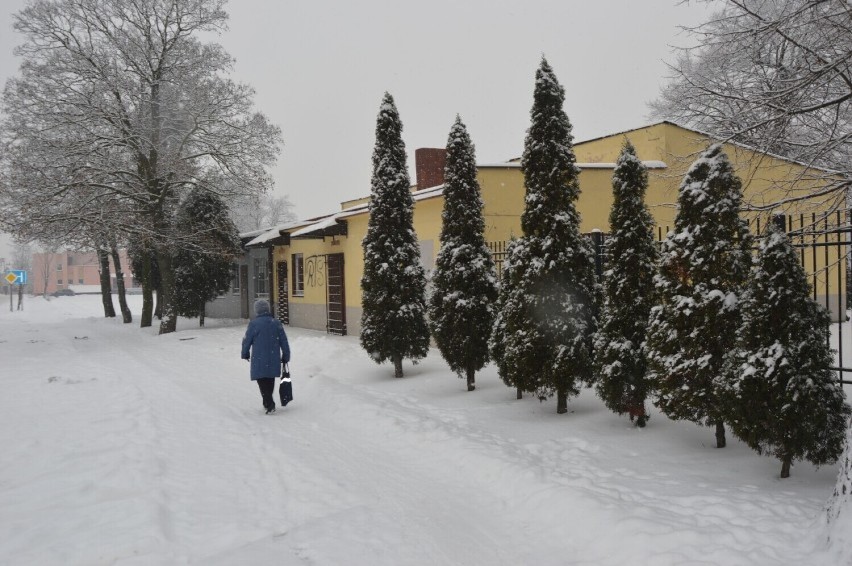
315	271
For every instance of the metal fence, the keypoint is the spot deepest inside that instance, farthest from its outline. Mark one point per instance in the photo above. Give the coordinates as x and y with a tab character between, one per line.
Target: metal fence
823	245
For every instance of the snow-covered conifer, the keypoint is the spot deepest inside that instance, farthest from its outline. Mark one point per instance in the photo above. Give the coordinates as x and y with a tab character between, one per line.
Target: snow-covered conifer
461	307
208	245
393	322
704	263
548	321
628	292
784	399
510	318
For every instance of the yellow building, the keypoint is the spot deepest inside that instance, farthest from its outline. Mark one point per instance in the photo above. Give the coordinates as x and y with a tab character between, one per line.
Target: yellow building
317	265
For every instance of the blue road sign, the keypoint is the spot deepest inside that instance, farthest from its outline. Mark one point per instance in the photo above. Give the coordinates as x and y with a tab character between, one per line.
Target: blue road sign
16	277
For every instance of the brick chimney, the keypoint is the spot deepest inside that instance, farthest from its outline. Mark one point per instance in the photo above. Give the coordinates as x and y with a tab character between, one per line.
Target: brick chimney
429	163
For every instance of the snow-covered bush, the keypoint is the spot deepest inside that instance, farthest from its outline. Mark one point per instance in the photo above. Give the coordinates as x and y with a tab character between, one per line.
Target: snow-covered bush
783	398
547	320
393	321
628	291
704	263
461	307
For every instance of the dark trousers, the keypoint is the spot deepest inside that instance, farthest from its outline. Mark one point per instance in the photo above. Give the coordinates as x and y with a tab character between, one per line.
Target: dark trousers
267	388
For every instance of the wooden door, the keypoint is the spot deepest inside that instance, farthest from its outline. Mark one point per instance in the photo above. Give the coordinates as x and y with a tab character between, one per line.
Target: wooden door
336	300
283	294
244	292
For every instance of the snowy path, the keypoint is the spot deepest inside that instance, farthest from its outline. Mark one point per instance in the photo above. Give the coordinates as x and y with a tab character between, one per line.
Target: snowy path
123	447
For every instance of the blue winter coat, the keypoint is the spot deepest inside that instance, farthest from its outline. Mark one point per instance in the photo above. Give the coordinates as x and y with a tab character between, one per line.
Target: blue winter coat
265	343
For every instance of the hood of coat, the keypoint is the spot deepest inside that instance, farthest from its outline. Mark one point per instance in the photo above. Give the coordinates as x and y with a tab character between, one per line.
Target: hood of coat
261	307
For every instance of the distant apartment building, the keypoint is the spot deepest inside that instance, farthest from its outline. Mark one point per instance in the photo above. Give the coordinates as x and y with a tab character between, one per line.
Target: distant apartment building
78	271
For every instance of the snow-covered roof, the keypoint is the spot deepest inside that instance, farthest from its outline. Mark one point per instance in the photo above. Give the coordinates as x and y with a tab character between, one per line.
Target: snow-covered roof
268	234
651	164
326	222
717	138
253	233
423	194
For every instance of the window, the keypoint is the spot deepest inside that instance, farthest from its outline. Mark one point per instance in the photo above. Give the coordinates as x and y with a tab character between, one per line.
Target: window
80	281
261	280
235	279
427	255
59	281
298	275
59	267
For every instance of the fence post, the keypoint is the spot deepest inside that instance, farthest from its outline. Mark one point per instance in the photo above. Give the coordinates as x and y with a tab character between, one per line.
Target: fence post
597	241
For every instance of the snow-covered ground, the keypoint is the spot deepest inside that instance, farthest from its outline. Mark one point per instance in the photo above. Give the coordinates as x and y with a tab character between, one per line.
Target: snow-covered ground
118	446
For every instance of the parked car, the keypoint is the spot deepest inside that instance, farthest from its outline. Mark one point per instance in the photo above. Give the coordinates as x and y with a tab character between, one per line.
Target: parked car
64	293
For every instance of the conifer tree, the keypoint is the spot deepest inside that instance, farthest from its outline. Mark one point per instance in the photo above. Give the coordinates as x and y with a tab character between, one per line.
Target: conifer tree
461	307
511	316
628	292
784	399
548	317
208	245
393	321
704	263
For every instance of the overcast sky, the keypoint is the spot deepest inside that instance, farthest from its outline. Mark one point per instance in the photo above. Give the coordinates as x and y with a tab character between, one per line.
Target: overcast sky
320	69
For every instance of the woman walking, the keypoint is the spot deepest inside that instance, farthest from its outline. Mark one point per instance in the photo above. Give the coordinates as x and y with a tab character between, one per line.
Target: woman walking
265	345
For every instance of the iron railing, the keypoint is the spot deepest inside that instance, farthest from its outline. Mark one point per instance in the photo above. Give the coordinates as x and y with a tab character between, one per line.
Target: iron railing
823	244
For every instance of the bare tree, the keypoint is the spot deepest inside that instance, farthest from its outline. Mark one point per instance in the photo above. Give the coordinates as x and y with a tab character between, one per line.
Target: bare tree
44	261
22	259
261	211
119	281
776	76
119	103
22	256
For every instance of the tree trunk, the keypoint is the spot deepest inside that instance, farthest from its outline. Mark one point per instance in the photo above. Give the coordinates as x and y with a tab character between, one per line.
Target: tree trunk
561	402
201	313
158	302
786	462
520	393
20	297
106	288
720	434
158	298
636	409
147	292
119	282
471	376
168	322
397	366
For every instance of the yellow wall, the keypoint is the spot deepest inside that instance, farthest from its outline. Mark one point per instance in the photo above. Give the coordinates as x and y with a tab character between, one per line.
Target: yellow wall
764	180
503	199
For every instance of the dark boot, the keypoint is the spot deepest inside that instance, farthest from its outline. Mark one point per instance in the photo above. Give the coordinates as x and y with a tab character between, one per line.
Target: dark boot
267	386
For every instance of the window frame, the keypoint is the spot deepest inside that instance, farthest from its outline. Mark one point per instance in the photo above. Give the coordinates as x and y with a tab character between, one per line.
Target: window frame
235	279
261	278
298	262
